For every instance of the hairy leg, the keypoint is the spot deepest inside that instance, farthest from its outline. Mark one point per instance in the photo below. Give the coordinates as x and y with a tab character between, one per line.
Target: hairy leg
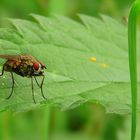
2	71
41	86
32	82
13	84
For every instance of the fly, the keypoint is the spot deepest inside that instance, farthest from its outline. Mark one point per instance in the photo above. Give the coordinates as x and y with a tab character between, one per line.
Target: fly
25	66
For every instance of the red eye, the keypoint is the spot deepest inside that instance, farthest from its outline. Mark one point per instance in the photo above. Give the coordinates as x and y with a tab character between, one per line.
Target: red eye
36	66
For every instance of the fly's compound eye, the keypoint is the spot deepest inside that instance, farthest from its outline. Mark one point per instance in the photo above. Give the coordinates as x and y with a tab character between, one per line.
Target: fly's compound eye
37	67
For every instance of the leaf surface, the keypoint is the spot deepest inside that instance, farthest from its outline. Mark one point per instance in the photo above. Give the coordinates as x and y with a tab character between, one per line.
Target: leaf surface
71	78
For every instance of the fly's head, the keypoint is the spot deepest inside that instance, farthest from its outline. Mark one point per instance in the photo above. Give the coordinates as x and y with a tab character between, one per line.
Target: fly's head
38	69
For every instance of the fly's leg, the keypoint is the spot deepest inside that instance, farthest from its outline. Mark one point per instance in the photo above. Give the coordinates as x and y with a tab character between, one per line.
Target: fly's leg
32	82
2	71
41	86
13	84
37	82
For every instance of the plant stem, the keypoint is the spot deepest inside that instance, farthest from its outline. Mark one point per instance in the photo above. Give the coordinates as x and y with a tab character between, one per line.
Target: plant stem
47	118
132	37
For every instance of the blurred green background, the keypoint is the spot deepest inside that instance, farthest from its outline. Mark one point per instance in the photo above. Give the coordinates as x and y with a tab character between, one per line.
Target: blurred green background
87	122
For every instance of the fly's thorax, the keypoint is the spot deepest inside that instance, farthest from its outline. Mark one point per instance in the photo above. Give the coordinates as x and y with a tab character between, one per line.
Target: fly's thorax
23	70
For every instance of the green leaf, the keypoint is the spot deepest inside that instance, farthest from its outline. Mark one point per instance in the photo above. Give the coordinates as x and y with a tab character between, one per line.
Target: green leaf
71	78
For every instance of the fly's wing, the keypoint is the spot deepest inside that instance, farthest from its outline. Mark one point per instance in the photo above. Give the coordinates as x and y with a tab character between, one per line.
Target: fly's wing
10	57
12	60
16	60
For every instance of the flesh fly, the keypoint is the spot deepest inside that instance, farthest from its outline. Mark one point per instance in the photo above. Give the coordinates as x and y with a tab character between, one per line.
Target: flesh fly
25	66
